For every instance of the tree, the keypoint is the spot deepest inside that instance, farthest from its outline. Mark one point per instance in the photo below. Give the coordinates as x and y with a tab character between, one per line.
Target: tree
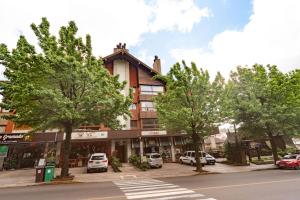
63	86
190	103
265	101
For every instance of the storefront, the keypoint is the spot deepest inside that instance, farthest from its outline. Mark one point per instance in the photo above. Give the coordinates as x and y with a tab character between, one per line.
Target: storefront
24	150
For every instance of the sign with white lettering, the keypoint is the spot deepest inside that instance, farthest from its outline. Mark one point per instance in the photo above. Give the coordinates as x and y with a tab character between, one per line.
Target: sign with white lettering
88	135
11	138
151	133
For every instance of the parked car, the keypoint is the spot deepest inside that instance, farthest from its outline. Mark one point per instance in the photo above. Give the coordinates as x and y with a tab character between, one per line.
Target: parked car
154	160
189	158
210	160
289	161
97	162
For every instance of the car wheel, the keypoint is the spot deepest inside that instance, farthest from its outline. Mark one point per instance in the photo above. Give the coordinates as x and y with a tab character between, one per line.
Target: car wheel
181	162
192	163
105	170
88	171
297	167
202	165
160	166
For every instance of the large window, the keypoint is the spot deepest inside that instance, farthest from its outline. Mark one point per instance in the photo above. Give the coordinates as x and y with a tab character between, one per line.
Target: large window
148	106
151	89
150	123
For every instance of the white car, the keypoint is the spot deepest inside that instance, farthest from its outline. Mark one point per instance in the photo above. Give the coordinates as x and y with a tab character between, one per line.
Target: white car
97	161
189	158
154	160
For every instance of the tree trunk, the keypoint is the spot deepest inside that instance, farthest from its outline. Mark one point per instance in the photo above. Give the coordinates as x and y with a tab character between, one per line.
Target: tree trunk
273	146
66	151
196	140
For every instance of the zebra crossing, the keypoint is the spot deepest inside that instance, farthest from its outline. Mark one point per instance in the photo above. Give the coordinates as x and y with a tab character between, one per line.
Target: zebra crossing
156	190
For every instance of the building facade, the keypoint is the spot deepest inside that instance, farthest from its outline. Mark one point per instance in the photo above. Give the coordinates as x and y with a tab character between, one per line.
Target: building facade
141	133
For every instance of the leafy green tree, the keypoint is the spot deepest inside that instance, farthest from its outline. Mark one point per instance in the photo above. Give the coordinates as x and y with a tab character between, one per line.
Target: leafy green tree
265	102
62	86
190	103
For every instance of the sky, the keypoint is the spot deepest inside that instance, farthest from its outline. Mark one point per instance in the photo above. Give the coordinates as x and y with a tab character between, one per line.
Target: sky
217	35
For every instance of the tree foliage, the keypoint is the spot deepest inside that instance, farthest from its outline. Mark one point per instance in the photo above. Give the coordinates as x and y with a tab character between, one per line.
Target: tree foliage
190	103
61	86
264	101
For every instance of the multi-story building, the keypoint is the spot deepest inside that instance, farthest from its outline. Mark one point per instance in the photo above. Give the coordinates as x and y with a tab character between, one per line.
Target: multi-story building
141	133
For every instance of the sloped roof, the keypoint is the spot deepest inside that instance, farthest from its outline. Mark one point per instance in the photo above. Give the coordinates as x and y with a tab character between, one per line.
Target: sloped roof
124	54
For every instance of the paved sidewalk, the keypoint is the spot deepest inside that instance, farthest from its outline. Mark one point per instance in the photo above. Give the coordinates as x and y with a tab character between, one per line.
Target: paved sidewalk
26	177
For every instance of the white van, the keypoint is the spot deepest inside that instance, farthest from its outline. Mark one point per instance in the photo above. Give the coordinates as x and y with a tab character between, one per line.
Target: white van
154	160
189	158
97	161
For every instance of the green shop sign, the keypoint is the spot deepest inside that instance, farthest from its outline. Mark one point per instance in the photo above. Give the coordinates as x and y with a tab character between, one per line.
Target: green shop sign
3	151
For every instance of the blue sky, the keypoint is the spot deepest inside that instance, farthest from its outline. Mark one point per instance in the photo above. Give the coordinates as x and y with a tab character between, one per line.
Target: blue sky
217	35
225	14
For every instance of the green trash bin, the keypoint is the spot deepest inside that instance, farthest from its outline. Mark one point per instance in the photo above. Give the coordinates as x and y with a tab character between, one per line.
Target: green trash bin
49	173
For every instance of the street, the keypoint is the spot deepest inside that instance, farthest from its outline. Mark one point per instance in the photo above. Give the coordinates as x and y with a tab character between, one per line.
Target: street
265	185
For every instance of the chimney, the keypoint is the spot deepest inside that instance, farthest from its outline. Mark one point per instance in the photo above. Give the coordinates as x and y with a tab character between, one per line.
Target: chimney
120	47
156	64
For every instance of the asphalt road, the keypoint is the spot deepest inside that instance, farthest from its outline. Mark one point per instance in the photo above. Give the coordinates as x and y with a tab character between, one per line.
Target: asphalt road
263	185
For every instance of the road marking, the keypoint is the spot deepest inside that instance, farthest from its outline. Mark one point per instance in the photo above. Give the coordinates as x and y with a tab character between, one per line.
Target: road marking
246	184
159	194
145	186
179	197
155	190
149	188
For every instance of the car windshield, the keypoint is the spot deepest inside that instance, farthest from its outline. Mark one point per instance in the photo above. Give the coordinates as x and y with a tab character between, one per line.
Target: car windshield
290	157
155	156
97	157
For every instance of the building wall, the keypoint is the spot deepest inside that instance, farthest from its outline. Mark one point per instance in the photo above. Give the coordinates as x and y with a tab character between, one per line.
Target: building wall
121	68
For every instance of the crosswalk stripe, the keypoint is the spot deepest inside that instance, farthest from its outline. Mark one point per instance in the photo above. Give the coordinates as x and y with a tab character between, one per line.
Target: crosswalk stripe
149	188
159	194
157	191
179	197
144	186
137	182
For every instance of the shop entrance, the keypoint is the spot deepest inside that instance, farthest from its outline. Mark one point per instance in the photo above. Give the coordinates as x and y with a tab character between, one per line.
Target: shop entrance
81	150
121	151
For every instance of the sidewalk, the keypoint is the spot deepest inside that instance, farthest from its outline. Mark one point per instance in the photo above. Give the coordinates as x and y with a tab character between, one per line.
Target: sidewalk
26	177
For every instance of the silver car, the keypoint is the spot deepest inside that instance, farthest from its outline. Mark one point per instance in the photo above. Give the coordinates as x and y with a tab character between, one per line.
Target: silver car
154	160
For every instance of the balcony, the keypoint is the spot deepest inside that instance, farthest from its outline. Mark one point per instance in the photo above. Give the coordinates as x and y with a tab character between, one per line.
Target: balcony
148	114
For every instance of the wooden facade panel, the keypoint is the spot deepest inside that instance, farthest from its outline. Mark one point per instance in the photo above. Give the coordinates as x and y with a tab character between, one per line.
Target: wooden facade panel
110	67
133	76
134	114
146	78
135	95
146	97
150	115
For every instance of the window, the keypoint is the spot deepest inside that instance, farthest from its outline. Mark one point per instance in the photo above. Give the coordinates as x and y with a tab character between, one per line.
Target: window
132	106
150	123
133	124
148	106
151	89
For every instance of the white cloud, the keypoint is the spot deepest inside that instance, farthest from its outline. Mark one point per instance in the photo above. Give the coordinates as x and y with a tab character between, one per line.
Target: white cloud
272	36
108	22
